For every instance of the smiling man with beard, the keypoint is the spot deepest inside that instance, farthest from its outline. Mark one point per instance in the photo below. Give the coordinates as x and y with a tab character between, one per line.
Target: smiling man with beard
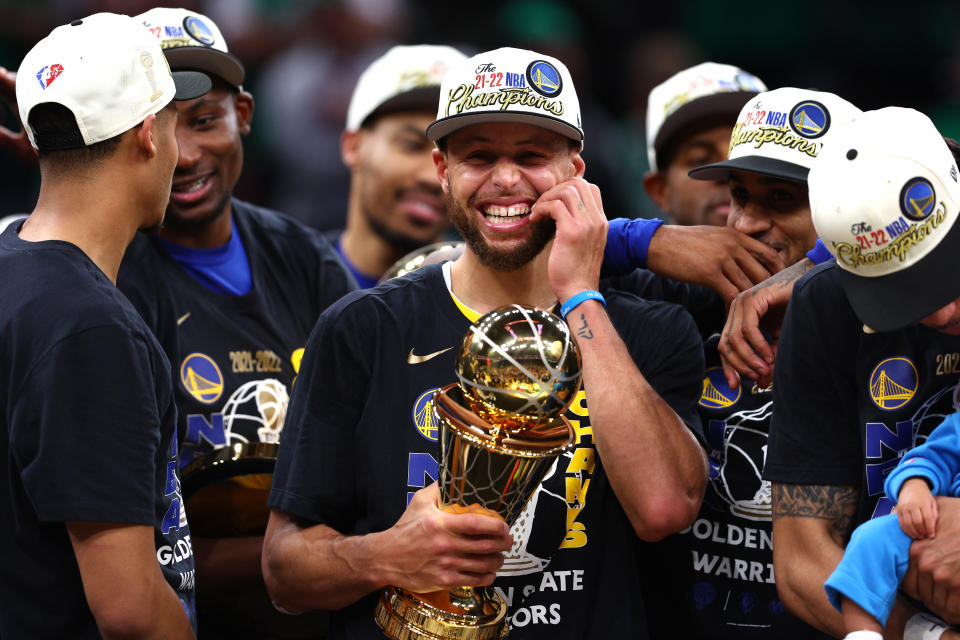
354	504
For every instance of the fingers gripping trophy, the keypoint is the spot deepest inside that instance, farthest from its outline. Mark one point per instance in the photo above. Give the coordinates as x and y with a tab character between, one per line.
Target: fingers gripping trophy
502	427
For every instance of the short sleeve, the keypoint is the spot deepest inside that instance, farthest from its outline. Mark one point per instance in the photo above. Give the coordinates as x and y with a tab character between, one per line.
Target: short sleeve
85	429
663	341
814	437
314	476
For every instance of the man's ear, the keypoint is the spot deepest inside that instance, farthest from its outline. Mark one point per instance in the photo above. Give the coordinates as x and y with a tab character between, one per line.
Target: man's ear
579	166
655	183
145	136
243	104
350	148
440	160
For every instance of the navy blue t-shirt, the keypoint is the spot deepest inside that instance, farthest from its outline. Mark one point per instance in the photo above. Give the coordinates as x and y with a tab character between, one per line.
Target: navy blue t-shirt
90	422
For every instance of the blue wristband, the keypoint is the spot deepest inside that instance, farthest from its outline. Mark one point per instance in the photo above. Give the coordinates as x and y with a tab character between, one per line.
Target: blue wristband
627	244
583	296
819	253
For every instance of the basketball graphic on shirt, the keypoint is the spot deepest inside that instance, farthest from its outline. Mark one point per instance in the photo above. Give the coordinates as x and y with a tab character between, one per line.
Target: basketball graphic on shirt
256	412
737	480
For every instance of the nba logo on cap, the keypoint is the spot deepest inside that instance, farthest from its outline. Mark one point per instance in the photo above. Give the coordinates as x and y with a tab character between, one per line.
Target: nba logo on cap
48	74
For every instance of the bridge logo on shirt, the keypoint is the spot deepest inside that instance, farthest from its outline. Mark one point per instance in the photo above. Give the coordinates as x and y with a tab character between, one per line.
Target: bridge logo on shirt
810	119
917	198
423	417
716	393
201	377
893	383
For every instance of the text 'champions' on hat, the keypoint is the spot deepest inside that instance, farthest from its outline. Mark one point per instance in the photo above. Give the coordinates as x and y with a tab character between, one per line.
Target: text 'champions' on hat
107	72
885	199
780	133
706	91
192	41
508	85
405	77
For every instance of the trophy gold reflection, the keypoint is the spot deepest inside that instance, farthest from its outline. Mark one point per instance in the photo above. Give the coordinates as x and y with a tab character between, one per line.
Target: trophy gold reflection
501	429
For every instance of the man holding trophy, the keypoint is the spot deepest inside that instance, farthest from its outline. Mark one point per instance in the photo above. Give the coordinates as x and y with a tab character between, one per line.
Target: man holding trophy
358	523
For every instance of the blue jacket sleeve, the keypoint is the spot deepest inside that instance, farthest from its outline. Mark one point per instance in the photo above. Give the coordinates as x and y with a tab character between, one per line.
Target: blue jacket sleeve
819	253
937	460
627	244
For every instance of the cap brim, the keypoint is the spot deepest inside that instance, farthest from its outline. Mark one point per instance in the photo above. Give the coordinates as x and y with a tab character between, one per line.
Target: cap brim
210	61
720	171
190	84
897	300
712	106
445	126
425	98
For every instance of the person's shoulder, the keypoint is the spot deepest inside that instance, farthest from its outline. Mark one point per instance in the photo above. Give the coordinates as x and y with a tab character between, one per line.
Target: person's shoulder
823	280
270	221
627	306
398	296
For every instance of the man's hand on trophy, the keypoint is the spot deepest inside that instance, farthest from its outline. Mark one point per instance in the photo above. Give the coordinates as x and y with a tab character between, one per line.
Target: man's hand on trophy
577	208
15	142
432	549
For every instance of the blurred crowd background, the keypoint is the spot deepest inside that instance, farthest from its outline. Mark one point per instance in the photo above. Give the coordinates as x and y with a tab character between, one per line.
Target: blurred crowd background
303	58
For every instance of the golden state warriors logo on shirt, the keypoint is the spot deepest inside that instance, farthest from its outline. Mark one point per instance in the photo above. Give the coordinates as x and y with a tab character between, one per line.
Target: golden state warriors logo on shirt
544	78
810	119
716	393
201	377
893	383
423	418
917	199
199	30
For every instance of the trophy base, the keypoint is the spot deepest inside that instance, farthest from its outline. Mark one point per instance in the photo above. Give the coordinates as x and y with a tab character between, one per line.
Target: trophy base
402	615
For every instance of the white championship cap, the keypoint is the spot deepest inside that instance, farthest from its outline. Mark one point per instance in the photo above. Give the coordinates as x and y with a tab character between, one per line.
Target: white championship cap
884	199
405	77
706	91
508	85
780	133
107	72
192	41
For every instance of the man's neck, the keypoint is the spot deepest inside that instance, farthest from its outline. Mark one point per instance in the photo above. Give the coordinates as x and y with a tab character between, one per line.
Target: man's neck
367	251
99	225
483	289
211	235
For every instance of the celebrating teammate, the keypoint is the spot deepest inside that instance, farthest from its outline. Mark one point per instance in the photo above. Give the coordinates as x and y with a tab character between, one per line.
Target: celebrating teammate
689	121
866	365
395	201
716	579
231	290
91	501
351	513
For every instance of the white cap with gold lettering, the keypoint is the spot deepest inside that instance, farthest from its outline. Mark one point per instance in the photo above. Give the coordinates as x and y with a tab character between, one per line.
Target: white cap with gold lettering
508	85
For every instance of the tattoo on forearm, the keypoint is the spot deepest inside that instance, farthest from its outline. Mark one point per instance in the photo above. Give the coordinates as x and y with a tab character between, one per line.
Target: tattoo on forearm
836	504
584	331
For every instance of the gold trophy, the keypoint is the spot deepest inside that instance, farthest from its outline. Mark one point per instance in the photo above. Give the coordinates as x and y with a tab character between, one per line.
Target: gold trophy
502	428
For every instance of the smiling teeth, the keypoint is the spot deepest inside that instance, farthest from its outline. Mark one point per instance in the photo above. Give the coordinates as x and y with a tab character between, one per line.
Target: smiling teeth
191	186
503	214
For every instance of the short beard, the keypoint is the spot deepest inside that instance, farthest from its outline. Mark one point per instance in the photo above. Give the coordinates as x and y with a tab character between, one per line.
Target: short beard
509	260
176	223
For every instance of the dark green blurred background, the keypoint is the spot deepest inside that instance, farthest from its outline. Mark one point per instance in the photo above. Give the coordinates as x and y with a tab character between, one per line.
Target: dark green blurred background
303	58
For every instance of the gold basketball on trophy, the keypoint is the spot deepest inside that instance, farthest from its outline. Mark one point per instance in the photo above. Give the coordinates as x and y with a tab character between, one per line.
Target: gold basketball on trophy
519	367
501	429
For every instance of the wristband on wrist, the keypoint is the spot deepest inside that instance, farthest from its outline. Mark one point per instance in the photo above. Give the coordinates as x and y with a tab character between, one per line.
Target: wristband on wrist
583	296
923	626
